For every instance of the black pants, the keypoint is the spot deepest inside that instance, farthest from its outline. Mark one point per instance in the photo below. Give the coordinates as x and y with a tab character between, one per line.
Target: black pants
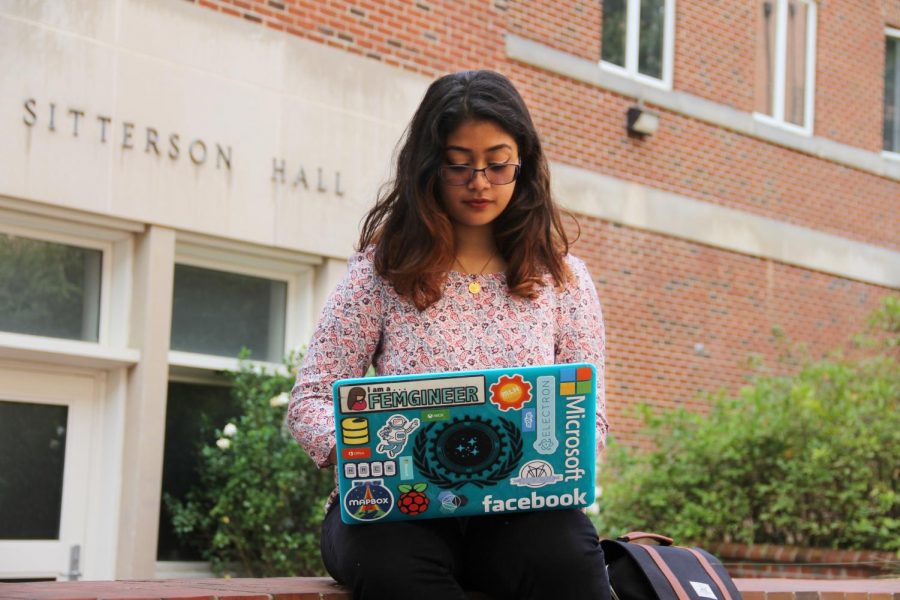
550	555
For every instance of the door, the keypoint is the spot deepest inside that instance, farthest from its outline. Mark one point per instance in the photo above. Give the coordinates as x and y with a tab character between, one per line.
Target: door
45	447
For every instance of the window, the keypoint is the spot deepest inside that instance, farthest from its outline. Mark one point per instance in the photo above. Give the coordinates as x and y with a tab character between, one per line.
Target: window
892	91
785	71
220	312
193	412
32	458
637	39
226	296
49	289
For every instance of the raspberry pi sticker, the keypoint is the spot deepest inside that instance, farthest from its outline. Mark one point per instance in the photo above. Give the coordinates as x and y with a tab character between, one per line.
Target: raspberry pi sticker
368	500
412	500
467	450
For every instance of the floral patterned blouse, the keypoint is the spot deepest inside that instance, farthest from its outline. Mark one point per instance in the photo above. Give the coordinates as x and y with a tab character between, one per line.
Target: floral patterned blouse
366	322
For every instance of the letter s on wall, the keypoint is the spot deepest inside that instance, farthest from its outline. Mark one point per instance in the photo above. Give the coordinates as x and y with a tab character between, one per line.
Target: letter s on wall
29	108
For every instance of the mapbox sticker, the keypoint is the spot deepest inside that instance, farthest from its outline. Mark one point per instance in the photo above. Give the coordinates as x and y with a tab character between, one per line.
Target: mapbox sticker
368	500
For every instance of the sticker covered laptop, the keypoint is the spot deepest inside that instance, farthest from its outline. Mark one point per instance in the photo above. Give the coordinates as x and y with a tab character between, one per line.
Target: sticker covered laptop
465	443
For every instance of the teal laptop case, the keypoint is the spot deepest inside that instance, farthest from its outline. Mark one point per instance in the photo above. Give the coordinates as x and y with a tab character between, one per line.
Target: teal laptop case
465	443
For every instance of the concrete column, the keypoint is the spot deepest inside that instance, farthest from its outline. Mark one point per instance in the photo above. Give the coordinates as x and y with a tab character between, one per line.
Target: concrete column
328	275
145	410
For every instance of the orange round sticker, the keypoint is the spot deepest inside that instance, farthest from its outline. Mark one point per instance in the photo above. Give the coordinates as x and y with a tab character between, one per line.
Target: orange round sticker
510	393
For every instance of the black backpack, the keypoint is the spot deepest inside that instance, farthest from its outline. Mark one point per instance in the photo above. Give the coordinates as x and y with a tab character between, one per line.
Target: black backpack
662	571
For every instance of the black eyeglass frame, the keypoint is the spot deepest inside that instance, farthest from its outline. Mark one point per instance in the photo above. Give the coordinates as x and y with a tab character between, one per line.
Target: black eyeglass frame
473	171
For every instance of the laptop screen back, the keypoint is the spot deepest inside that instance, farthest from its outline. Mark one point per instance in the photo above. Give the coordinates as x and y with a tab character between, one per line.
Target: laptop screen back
466	443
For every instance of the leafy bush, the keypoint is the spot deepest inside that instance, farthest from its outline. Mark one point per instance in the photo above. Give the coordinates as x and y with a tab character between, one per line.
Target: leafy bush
257	507
809	459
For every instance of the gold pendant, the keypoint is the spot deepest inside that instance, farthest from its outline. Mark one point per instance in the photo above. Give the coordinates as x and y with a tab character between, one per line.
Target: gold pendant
474	287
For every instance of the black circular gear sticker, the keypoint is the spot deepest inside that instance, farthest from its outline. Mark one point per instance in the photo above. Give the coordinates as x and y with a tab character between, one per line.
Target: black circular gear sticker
465	450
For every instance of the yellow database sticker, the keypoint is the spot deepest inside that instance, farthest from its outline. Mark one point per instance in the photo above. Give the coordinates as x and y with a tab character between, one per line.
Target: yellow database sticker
355	431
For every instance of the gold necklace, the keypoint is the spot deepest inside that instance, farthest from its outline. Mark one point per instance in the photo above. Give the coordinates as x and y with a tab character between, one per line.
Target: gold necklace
474	286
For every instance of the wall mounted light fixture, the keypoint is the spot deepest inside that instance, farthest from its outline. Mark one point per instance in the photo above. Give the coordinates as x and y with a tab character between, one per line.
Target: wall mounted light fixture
641	121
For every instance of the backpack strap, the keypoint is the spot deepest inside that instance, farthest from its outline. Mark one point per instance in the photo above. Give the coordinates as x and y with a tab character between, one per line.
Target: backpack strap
666	571
643	535
711	572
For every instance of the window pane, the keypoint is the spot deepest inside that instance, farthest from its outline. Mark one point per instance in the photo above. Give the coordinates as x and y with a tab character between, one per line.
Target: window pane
765	56
49	289
795	63
892	95
216	312
650	47
191	409
32	460
612	49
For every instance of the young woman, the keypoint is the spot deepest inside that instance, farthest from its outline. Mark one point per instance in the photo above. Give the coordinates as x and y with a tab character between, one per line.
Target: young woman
463	264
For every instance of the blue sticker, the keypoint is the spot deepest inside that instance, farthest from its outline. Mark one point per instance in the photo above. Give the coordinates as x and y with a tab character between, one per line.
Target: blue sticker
528	419
368	500
406	468
450	502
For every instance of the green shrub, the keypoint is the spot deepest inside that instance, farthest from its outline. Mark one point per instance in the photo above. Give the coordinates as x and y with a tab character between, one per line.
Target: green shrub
257	507
809	459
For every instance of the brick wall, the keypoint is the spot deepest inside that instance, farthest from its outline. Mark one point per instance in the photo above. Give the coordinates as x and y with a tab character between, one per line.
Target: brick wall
583	126
572	27
763	560
857	64
891	11
323	588
715	45
664	296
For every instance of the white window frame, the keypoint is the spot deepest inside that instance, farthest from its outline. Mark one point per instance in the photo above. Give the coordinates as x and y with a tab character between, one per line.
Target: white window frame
116	245
296	270
777	116
893	33
632	38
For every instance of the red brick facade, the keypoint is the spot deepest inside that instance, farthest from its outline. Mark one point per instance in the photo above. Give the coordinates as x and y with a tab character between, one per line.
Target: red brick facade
682	317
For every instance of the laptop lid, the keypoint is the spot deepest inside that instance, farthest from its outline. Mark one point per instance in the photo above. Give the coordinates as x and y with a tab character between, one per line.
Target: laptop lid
466	443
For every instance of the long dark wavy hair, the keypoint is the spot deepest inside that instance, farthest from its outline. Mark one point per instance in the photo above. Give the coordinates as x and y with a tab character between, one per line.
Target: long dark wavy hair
413	235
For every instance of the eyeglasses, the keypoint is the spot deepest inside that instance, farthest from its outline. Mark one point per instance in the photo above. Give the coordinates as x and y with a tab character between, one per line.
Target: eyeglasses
495	174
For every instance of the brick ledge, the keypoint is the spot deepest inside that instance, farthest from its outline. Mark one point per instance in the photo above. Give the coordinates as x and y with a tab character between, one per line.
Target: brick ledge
324	588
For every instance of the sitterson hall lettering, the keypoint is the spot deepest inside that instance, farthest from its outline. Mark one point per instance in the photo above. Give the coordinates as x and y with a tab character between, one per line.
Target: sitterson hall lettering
296	175
173	145
125	134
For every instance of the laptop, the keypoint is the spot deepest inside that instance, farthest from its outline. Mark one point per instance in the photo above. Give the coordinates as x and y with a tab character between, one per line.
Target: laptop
465	443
